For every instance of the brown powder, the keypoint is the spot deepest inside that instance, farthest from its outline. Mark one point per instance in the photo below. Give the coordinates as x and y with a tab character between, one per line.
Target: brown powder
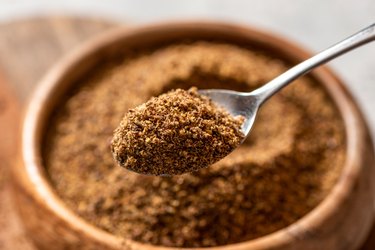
284	169
175	133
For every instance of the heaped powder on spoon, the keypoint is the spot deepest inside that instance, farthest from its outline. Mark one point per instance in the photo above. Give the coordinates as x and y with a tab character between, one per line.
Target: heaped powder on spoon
169	134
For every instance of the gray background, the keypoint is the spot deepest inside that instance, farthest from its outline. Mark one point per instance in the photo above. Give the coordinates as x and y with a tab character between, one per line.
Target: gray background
313	24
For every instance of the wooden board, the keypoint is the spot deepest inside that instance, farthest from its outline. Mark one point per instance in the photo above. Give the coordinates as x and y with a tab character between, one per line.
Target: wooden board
27	49
11	234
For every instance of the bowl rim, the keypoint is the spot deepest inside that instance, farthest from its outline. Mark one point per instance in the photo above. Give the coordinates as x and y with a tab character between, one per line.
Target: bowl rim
45	192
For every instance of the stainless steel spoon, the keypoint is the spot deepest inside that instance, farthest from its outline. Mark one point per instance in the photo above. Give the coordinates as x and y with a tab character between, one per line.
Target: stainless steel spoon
247	104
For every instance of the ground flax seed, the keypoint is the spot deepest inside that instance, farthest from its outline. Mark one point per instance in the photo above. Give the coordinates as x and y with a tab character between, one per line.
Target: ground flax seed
169	134
283	170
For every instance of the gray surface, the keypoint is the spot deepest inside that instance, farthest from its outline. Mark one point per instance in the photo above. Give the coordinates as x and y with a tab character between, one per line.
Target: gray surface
312	23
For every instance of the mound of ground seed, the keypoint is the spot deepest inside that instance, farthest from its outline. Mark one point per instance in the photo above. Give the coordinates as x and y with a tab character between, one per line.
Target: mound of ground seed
286	167
169	134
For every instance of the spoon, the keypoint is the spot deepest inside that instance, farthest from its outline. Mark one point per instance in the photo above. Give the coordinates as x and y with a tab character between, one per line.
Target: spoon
247	104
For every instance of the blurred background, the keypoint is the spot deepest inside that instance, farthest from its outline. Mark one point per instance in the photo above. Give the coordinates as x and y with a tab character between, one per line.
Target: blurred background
313	24
34	34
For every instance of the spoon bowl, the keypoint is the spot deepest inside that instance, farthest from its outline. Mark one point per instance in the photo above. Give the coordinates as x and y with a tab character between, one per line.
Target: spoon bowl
237	104
247	104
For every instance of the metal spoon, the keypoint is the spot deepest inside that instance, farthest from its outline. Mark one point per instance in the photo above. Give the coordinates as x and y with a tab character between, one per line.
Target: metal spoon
247	104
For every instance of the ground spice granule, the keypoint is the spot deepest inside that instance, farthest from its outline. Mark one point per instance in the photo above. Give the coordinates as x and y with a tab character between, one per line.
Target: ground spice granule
177	132
283	170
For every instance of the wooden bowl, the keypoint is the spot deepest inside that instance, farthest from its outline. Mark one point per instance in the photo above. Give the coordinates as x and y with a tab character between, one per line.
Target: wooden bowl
341	221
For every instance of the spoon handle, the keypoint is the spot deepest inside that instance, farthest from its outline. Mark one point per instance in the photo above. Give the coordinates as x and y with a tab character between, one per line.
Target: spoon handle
358	39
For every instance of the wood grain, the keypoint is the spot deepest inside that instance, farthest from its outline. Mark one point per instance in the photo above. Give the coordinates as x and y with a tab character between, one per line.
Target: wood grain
11	233
27	49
